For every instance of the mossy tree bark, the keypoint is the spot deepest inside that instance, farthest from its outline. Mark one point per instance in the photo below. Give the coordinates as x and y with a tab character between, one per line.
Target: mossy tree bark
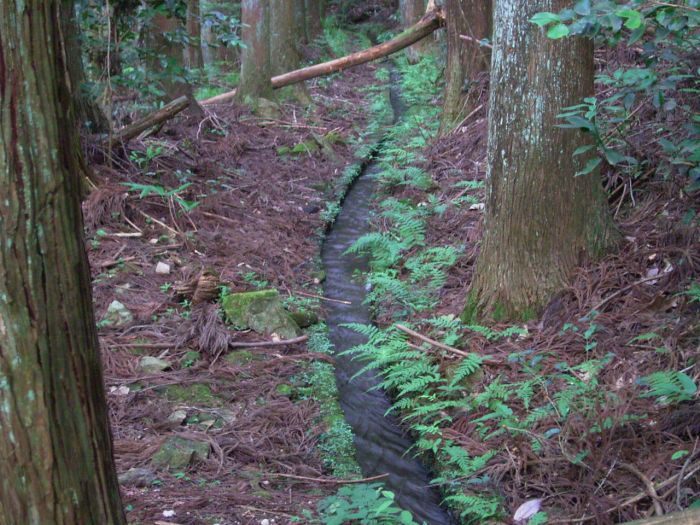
286	35
195	60
256	68
55	444
87	110
315	11
466	59
540	219
411	11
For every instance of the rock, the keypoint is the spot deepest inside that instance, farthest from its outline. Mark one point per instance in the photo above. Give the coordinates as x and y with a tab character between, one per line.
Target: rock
162	268
304	318
117	315
178	417
152	365
261	311
177	453
137	477
266	108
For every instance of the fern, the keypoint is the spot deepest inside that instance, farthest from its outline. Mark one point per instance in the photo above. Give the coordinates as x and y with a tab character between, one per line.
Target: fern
669	386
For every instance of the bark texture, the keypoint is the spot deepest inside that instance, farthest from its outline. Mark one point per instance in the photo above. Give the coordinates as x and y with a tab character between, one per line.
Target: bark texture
195	59
315	10
466	59
540	219
284	36
88	111
256	68
55	444
411	11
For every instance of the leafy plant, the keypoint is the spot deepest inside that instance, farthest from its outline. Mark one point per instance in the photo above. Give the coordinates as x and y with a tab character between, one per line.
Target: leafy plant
667	79
169	195
365	504
669	387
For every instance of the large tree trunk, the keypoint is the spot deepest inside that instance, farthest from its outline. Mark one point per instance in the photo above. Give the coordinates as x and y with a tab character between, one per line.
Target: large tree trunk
163	49
411	11
540	219
256	65
88	112
314	18
286	31
195	59
55	444
466	59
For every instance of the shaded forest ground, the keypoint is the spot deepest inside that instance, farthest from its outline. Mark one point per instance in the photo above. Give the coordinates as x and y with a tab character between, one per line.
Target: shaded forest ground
257	223
261	186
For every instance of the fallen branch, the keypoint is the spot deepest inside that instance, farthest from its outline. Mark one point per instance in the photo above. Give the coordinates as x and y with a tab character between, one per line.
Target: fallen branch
314	296
443	346
326	480
165	113
430	22
425	26
258	344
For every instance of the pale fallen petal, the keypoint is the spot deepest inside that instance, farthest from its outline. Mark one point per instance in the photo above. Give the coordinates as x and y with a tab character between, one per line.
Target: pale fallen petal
526	511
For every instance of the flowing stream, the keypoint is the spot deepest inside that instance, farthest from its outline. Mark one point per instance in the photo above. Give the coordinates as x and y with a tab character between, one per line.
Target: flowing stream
381	444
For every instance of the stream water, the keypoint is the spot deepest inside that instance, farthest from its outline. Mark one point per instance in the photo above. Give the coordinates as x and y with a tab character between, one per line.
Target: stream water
381	444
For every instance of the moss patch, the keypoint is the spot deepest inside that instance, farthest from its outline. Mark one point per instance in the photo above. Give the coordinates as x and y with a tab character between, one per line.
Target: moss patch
197	393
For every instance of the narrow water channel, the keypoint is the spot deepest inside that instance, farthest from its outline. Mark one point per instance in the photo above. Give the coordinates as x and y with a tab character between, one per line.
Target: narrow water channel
380	442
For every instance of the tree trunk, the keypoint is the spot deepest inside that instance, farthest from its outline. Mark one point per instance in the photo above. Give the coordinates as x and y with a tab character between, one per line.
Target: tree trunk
256	66
466	59
540	219
195	59
286	29
284	36
411	11
314	18
172	54
56	449
87	110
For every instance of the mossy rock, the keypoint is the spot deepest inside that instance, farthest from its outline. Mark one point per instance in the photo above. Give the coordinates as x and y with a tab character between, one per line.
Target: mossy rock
284	389
261	311
304	318
190	358
178	453
266	108
197	393
241	357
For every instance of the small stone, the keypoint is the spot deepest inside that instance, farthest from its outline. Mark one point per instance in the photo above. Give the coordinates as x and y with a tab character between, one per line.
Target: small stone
477	206
265	522
137	477
168	513
120	390
162	268
117	315
177	417
177	453
152	365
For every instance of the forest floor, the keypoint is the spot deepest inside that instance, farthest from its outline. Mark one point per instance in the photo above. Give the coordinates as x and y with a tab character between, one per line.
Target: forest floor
247	214
242	201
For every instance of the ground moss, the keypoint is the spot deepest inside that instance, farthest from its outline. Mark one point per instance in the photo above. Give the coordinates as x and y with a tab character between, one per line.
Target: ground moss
197	393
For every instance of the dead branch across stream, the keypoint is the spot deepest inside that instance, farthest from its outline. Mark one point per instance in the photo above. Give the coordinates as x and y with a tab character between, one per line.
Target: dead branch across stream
432	21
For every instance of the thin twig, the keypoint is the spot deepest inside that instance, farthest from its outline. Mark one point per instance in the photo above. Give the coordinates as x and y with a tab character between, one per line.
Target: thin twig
626	288
651	491
432	342
257	344
326	480
306	294
472	39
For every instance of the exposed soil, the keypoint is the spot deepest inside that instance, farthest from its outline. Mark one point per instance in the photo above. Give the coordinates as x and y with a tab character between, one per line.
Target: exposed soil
258	211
